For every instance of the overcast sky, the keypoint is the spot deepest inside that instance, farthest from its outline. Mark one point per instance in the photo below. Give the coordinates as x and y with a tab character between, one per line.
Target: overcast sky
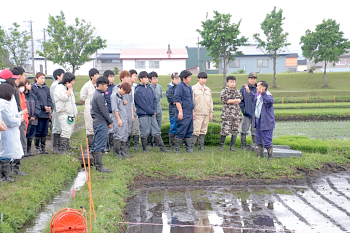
154	24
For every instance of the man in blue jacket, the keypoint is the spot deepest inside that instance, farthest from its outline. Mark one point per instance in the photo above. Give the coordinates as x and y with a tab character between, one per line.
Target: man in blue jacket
247	108
175	79
263	118
146	109
184	112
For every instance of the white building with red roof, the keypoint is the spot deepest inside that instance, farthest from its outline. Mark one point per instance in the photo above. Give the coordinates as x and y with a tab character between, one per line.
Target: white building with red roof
162	61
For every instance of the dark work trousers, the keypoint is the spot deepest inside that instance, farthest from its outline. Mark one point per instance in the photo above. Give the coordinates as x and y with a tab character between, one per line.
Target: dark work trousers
42	127
184	127
100	138
173	125
263	137
22	130
31	131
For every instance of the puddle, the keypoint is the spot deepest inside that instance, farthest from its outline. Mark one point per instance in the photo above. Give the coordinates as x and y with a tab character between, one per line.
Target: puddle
59	202
321	206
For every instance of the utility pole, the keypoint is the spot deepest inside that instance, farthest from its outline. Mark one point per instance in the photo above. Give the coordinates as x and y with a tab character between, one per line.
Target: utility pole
45	56
31	33
199	68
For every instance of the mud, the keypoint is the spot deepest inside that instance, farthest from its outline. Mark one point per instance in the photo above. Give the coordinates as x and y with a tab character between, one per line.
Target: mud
318	203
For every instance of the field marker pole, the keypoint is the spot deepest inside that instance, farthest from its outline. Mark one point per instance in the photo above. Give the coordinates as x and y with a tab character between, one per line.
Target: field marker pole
334	99
282	101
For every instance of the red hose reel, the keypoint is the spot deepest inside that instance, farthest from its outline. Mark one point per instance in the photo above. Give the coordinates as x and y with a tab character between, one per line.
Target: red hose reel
68	220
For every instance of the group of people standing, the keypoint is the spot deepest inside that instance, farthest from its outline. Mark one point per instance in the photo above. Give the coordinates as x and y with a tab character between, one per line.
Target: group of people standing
115	115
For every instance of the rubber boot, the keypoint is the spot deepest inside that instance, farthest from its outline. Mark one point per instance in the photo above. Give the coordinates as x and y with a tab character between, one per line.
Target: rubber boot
172	141
222	142
144	145
136	139
15	168
201	142
5	171
29	147
270	153
37	145
108	146
160	143
149	141
117	148
90	142
243	141
193	140
260	151
253	138
177	145
43	145
233	142
128	143
64	145
98	162
124	150
188	145
55	144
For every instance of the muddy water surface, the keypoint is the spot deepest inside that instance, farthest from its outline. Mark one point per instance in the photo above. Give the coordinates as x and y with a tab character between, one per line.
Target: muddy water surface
320	205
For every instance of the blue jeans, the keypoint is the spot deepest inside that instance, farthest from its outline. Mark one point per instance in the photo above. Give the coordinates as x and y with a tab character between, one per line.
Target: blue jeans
173	125
100	138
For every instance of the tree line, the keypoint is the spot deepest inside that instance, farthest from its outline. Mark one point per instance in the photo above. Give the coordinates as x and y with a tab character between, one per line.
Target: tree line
71	46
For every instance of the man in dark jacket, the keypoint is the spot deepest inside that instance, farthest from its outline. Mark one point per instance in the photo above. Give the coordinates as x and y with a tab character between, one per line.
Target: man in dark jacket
101	121
184	112
146	109
175	79
110	75
247	108
263	118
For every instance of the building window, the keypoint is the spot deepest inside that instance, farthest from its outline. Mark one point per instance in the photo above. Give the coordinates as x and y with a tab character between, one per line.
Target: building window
211	65
341	62
263	63
154	64
234	64
140	64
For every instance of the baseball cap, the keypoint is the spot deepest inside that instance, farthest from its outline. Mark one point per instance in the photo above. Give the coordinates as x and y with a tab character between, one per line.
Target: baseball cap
6	74
252	75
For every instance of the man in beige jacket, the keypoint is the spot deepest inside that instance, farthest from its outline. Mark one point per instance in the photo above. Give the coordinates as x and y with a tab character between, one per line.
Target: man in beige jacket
203	110
85	95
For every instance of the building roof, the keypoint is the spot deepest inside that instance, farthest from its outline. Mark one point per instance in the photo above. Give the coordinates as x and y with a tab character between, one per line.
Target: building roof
252	50
292	55
108	56
137	54
302	62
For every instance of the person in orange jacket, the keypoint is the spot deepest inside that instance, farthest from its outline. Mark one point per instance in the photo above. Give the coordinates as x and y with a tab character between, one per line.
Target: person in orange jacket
21	89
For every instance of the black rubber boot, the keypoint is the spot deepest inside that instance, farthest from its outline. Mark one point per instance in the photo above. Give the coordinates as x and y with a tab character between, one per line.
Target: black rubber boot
109	145
188	145
172	141
29	147
201	142
37	145
90	142
243	141
260	151
64	145
253	138
98	162
233	142
55	143
222	142
43	145
117	145
124	150
144	145
149	141
194	140
270	153
177	145
160	144
5	171
128	143
15	168
136	139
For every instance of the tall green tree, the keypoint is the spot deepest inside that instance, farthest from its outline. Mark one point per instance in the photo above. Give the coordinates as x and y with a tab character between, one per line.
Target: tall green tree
15	47
276	39
325	44
220	38
2	49
70	45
